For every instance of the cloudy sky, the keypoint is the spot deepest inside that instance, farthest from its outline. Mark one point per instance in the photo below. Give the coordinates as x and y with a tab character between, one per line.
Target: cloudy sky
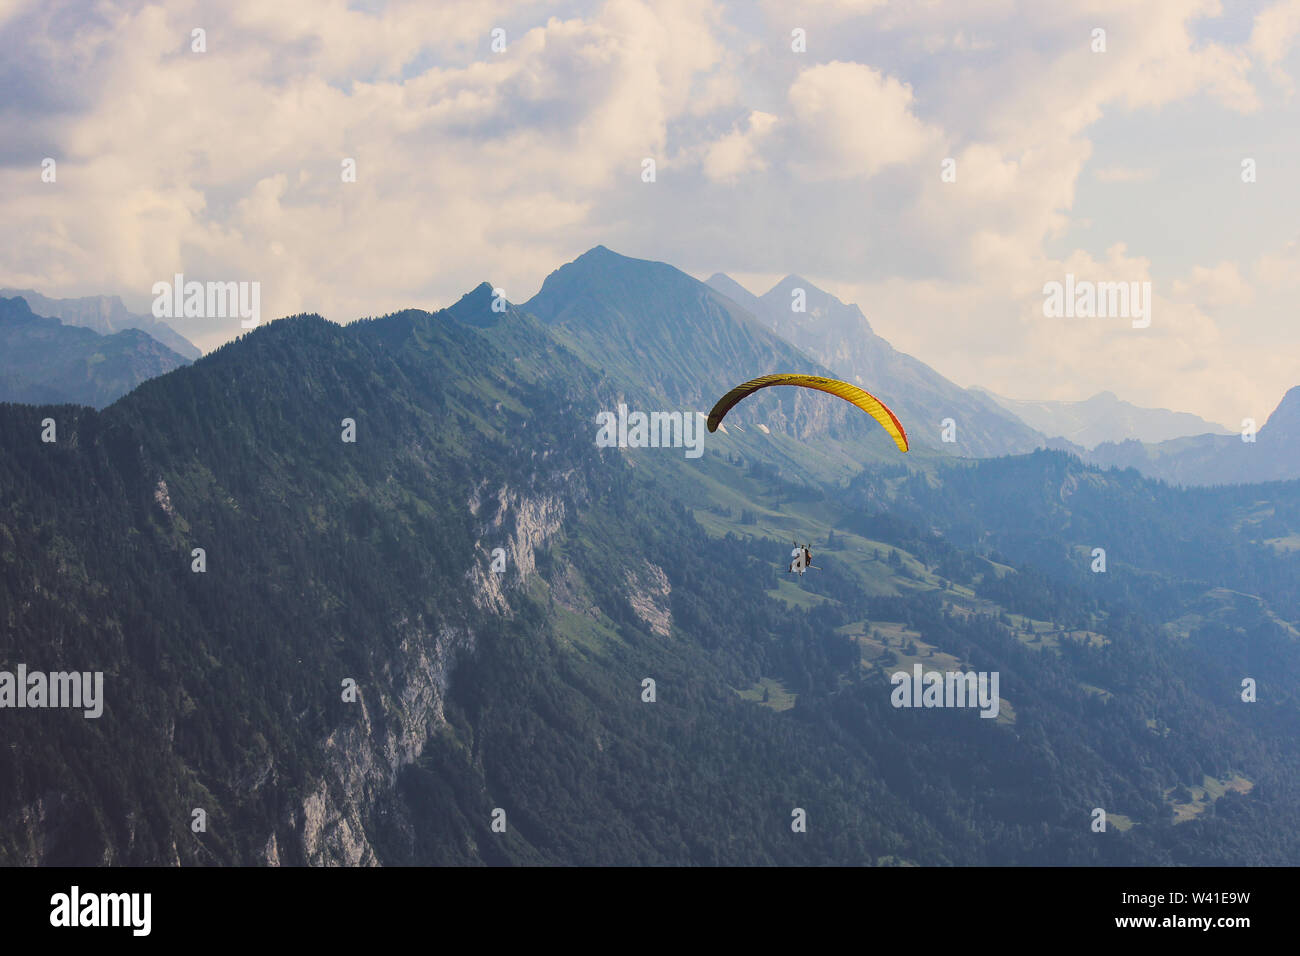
473	164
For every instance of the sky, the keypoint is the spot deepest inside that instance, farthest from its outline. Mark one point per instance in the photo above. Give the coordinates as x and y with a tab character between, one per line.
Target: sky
937	163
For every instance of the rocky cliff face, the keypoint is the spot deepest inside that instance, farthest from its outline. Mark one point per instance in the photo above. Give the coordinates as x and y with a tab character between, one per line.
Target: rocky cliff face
532	520
326	560
333	822
648	593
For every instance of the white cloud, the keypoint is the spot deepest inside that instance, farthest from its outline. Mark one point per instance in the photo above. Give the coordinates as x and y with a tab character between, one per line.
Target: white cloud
1275	32
1123	174
1216	286
474	165
1281	269
208	163
736	153
851	121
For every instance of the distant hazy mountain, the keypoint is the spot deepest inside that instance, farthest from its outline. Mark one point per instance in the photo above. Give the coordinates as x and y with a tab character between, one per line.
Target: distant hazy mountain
840	337
1105	417
43	361
106	315
664	335
1217	459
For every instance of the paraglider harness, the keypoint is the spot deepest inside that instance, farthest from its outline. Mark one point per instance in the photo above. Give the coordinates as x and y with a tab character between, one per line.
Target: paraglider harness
801	559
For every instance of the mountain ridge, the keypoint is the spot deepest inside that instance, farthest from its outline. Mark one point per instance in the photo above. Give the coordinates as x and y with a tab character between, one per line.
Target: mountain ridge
840	337
1105	417
1215	459
44	361
684	345
105	314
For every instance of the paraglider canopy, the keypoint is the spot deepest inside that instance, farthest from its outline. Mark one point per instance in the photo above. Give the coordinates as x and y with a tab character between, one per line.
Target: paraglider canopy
850	393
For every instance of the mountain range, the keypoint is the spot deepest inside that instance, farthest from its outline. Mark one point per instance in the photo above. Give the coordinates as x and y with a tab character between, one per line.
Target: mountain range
840	337
1271	454
970	422
1106	418
374	594
43	361
1173	446
106	315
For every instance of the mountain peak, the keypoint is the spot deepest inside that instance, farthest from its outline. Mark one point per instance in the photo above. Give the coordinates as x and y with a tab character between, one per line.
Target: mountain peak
603	266
480	295
46	361
599	254
601	272
105	315
793	281
815	296
818	303
15	308
1285	419
475	307
733	290
720	280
